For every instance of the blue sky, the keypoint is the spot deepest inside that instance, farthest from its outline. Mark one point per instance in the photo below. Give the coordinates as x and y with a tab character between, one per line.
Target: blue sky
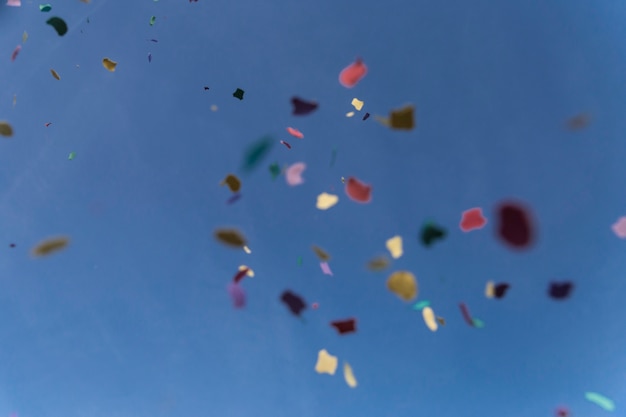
133	318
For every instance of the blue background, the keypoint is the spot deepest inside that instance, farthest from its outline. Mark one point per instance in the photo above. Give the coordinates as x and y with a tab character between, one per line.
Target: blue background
133	319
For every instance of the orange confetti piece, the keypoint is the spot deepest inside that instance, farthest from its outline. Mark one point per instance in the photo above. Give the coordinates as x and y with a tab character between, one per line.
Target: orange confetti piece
295	132
352	74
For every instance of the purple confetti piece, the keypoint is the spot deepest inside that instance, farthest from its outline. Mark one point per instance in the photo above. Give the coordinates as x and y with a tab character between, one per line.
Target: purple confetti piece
149	57
326	268
237	294
233	198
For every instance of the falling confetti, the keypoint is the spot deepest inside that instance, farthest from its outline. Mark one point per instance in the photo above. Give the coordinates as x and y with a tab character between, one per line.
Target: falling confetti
367	116
50	246
302	107
489	290
344	326
109	64
429	318
152	20
402	119
466	314
237	294
234	183
348	375
561	412
600	400
326	201
293	175
378	264
241	272
478	323
71	156
321	253
358	191
58	24
514	226
500	290
441	321
350	114
256	152
619	227
45	7
24	37
230	237
560	290
403	284
357	104
247	249
420	305
432	233
578	122
394	246
294	302
238	93
295	133
14	3
274	170
287	145
326	363
5	129
326	268
16	51
149	57
352	74
54	74
472	219
234	198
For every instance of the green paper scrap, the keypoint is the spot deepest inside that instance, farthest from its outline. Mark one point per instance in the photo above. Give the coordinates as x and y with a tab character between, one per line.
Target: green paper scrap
256	152
430	233
152	20
45	7
238	94
275	170
58	24
421	304
478	323
71	155
299	260
600	400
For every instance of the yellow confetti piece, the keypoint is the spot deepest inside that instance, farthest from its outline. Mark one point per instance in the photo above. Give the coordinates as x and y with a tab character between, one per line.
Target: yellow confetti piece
394	246
429	318
24	37
326	201
109	64
54	74
378	264
358	104
233	183
230	237
403	284
5	129
50	246
326	363
249	273
321	253
489	290
247	249
350	114
348	375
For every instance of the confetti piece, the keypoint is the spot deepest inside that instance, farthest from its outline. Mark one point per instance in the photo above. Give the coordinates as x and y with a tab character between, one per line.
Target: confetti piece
344	326
24	37
600	400
358	191
239	275
14	3
293	175
299	261
326	201
213	107
478	323
402	118
152	20
466	314
432	233
246	249
578	122
357	104
560	290
394	246
421	305
5	129
45	7
429	318
472	219
47	124
500	290
489	289
234	198
54	74
237	294
238	93
561	412
441	321
234	183
348	375
326	268
295	133
14	100
367	116
315	306
71	156
294	302
58	24
230	237
249	272
403	284
619	228
378	264
149	57
302	107
286	144
256	152
350	114
352	74
108	64
514	226
326	363
50	246
16	51
321	253
274	170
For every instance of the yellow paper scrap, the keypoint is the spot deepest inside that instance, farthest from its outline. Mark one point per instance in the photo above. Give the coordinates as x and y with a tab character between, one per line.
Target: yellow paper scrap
394	246
326	201
326	363
247	249
348	375
358	104
249	273
403	284
429	318
489	290
109	64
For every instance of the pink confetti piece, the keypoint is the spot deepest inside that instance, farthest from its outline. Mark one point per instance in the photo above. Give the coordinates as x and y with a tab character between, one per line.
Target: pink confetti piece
16	51
237	294
286	144
326	268
352	74
295	132
14	3
293	174
472	219
619	228
358	191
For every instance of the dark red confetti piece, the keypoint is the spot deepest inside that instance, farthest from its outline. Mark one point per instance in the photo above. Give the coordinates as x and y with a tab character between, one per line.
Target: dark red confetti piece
560	290
466	314
367	116
344	326
48	124
294	302
514	226
500	290
286	144
358	191
562	412
302	107
240	275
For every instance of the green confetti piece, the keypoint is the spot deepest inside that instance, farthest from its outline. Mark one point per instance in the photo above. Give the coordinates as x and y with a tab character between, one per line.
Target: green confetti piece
299	260
45	7
71	155
58	24
152	20
431	232
275	170
478	323
238	94
256	152
600	400
421	304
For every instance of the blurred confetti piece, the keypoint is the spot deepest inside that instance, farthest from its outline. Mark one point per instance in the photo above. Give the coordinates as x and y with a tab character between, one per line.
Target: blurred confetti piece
326	268
293	175
326	201
402	118
230	237
247	249
348	375
472	219
466	314
239	93
302	107
294	302
350	114
71	156
240	274
274	170
478	323
109	64
489	290
578	122
441	321
152	20
237	294
619	228
352	74
213	107
600	400
560	290
24	37
295	133
249	272
16	51
321	253
50	246
429	318
394	246
326	363
234	183
256	152
5	129
357	104
514	226
500	290
234	198
420	305
432	233
344	326
54	74
14	3
561	412
287	145
45	7
358	191
149	57
367	116
14	100
58	24
403	284
378	264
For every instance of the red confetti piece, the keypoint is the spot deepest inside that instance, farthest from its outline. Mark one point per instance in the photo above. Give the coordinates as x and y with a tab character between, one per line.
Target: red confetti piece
514	226
352	74
295	132
358	191
315	306
562	412
16	51
286	144
344	326
472	219
48	124
466	314
239	275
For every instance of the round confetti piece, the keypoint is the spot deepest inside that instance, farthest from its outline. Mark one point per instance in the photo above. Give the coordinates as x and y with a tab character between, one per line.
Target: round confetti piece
234	183
514	226
58	24
293	175
472	219
5	129
403	284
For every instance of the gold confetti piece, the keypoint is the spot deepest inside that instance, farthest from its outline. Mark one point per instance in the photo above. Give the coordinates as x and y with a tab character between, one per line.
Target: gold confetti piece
348	375
429	318
247	249
213	107
358	104
326	363
233	183
5	129
49	246
394	246
350	114
441	321
403	284
489	290
108	64
54	74
230	237
249	273
402	118
378	264
321	253
326	201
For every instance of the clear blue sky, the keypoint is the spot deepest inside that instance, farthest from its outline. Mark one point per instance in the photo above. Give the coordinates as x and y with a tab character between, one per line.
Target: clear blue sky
133	318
